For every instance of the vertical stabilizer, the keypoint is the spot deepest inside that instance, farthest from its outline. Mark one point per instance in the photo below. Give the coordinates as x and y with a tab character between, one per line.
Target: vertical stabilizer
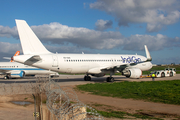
29	41
16	54
147	53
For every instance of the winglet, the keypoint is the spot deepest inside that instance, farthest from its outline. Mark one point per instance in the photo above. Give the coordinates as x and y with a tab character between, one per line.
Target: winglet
149	58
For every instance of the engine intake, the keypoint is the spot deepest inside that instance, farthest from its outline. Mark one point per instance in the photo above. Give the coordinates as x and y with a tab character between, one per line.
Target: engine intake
132	73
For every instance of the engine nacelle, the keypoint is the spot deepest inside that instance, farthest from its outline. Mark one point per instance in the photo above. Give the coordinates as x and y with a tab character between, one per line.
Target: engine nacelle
17	74
98	75
132	73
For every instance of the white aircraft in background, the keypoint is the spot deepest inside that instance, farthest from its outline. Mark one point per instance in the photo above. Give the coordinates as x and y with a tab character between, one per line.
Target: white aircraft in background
17	70
35	54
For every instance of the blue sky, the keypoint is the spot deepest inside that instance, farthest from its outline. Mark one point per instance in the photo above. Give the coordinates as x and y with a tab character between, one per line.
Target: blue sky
96	26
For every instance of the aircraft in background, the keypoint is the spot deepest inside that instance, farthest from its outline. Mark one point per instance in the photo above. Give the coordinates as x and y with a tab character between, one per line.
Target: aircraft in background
16	54
35	54
17	70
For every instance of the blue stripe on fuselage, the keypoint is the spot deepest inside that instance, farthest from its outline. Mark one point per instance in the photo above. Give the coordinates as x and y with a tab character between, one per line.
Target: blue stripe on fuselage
21	69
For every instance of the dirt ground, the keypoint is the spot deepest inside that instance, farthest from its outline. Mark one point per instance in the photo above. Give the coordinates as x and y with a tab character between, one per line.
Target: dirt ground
158	110
11	111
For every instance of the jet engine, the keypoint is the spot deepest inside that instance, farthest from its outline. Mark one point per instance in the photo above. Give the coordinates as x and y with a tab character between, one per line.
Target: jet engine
132	73
17	74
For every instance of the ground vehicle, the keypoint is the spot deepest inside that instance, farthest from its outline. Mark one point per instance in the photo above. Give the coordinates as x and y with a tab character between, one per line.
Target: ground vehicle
164	73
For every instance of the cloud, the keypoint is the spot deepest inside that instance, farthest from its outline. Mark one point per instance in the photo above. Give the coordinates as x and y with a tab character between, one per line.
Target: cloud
154	43
6	47
79	39
85	38
156	13
102	25
8	32
82	37
66	49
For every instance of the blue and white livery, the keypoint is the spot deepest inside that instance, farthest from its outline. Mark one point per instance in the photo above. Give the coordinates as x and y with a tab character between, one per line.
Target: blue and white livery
18	70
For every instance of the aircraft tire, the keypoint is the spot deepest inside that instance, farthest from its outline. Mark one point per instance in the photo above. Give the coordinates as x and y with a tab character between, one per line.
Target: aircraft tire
87	78
110	79
6	77
107	79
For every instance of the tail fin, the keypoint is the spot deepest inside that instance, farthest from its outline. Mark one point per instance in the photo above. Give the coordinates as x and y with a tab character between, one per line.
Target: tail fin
16	54
147	53
29	41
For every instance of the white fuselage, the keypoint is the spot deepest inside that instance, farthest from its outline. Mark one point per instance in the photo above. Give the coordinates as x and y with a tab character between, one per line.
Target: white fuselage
84	63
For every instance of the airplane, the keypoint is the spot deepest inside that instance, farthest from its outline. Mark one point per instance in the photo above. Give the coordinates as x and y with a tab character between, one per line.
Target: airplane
17	70
35	54
17	53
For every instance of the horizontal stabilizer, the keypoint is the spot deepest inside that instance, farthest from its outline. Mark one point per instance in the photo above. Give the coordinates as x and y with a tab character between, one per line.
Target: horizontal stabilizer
32	60
8	58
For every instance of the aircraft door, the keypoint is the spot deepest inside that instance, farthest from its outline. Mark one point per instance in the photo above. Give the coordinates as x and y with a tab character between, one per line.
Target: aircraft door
55	61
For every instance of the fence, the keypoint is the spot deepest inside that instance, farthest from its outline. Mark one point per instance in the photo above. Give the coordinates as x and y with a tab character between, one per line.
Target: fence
62	103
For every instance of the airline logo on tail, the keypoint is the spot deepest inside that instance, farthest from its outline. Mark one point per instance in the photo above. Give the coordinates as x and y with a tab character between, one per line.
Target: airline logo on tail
16	54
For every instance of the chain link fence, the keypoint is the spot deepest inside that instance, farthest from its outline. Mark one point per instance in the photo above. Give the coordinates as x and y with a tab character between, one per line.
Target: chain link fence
61	102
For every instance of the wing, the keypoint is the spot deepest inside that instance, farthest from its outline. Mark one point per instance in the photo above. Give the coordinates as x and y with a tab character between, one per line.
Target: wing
116	68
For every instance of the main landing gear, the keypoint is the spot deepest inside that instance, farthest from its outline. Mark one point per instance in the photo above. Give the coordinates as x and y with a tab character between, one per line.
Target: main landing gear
6	77
108	79
87	78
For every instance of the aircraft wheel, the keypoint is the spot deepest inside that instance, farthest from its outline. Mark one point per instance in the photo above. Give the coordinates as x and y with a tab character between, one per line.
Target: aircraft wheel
6	77
87	78
110	79
107	79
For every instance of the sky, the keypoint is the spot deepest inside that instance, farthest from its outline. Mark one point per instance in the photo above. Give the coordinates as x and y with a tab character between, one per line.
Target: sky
96	26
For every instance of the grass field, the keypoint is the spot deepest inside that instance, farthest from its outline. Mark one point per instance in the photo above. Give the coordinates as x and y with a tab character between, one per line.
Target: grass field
156	91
